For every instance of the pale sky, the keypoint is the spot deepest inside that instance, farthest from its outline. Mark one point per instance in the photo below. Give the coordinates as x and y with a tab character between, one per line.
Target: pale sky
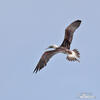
27	27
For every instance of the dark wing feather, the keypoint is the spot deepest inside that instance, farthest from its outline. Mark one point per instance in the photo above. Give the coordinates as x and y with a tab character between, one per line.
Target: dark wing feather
69	33
44	59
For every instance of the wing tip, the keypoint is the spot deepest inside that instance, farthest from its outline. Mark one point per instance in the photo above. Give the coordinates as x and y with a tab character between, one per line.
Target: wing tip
79	21
36	70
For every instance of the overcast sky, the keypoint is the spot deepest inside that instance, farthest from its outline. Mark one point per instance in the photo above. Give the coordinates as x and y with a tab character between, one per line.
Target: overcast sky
27	27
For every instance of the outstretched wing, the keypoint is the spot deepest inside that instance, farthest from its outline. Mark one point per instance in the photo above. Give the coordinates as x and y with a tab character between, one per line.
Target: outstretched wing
69	33
44	59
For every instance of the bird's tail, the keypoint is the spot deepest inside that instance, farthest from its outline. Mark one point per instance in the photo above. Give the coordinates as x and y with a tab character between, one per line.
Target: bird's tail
77	53
74	56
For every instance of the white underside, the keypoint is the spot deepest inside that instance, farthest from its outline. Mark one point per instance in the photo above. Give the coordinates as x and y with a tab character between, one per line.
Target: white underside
73	55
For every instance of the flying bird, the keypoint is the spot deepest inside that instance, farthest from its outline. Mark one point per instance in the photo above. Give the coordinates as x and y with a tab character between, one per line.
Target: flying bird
72	55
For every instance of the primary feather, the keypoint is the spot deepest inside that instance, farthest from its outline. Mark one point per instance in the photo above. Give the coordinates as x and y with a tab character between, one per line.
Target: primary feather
69	33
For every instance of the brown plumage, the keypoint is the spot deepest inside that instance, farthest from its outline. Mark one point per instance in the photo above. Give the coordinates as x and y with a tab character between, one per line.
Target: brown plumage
63	48
69	33
44	59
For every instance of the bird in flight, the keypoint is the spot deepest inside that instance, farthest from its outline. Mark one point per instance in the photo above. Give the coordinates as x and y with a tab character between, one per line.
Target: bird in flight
72	55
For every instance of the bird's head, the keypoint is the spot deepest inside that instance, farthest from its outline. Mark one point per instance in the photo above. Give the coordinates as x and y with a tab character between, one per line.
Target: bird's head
52	46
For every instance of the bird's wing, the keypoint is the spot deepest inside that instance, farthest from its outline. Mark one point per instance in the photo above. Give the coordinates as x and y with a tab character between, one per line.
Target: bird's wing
44	59
69	33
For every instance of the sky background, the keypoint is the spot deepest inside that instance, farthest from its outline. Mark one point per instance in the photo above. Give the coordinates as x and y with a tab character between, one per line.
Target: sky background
27	27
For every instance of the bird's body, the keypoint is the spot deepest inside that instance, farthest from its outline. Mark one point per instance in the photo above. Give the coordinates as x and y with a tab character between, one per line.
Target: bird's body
72	55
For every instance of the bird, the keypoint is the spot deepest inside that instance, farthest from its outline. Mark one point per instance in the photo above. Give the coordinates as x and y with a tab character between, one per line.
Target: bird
72	55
